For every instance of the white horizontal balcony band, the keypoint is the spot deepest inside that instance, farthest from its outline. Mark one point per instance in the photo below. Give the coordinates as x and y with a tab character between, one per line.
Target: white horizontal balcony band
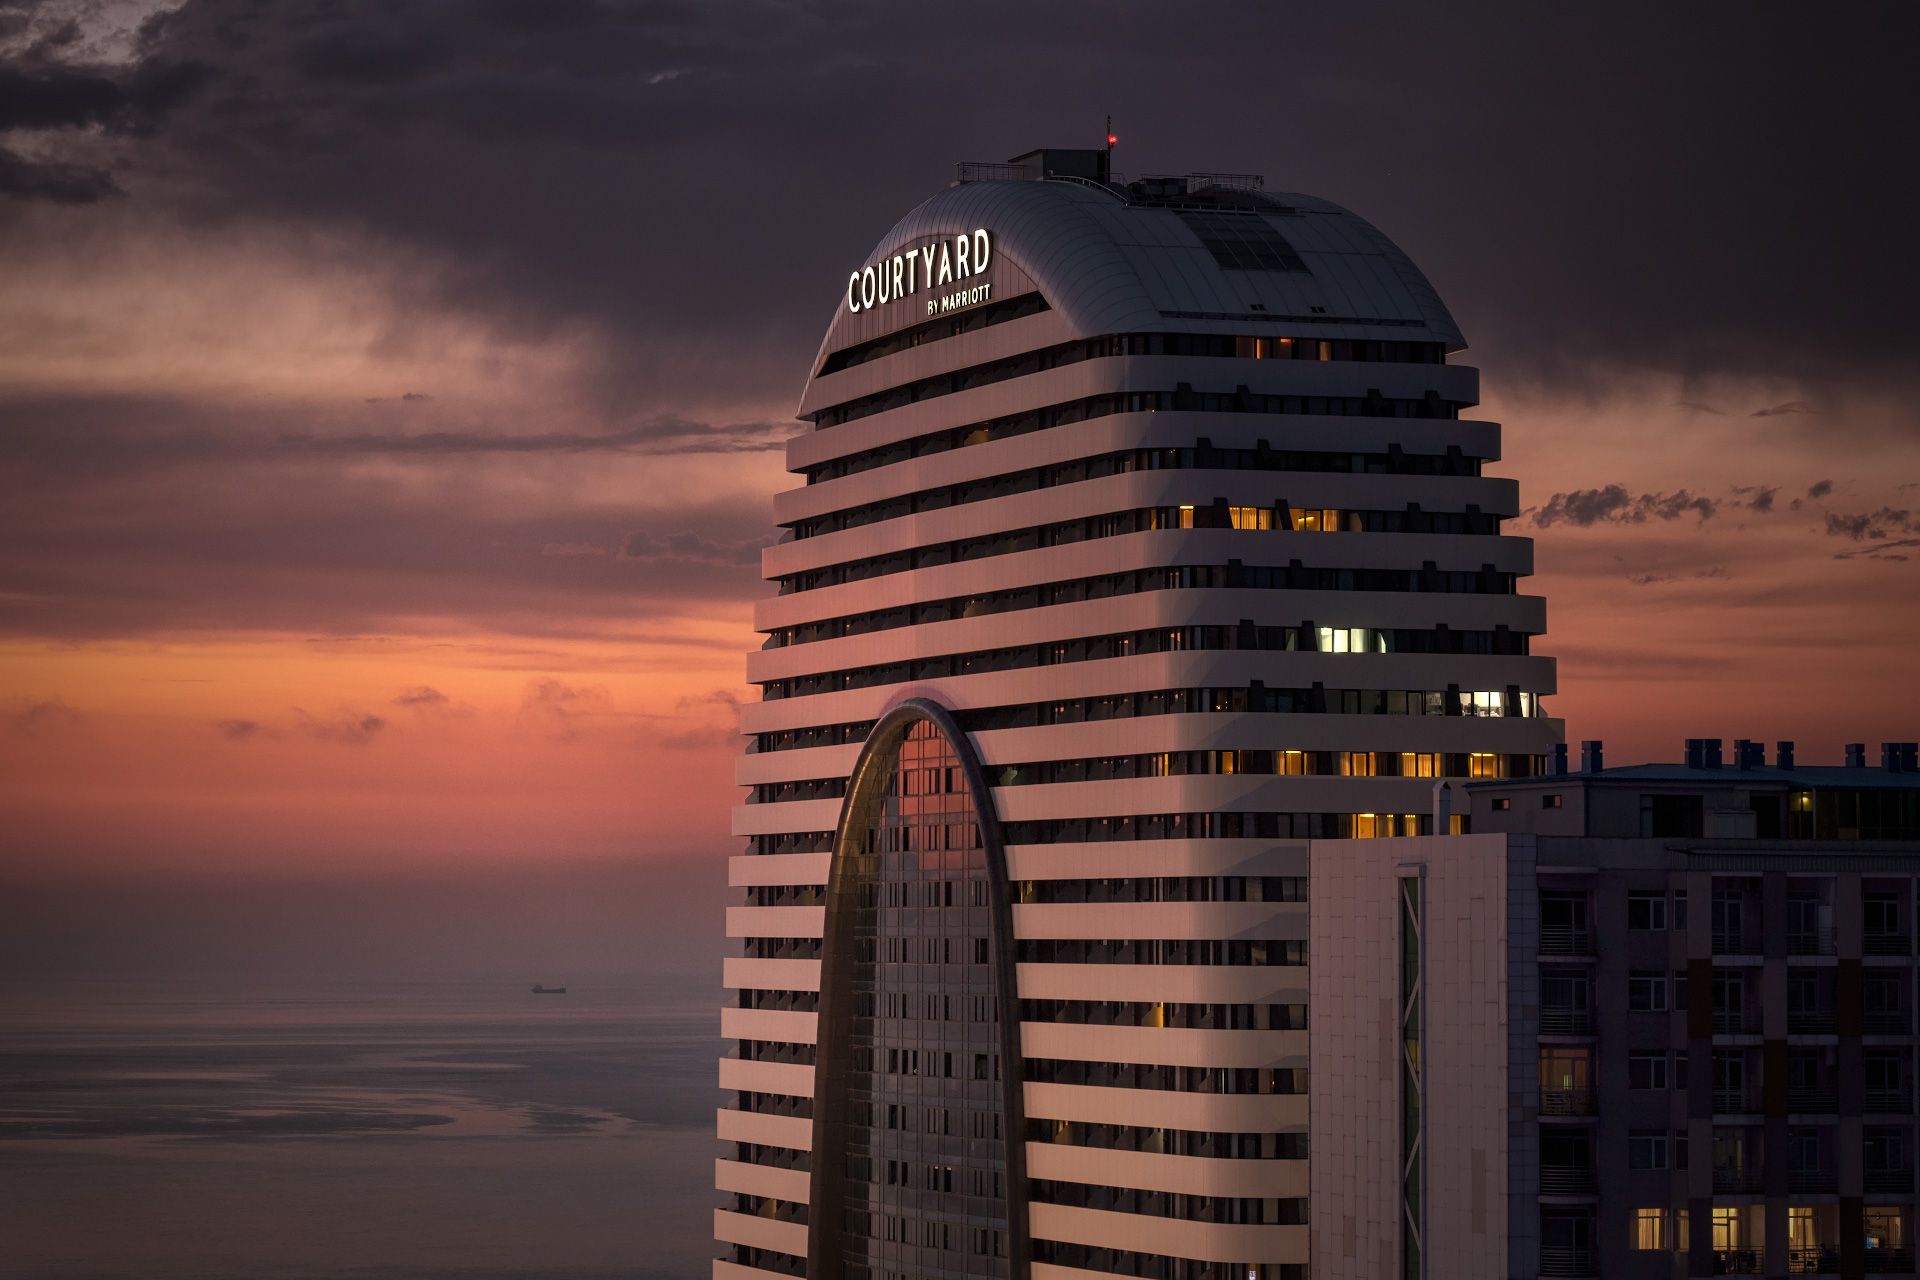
1109	374
1097	920
776	922
744	973
1208	793
791	1132
760	1233
1149	610
1148	549
1168	1108
1150	1171
1043	1271
1116	433
746	870
1148	1233
996	342
1163	1046
1171	983
1146	672
1134	489
755	767
761	1180
782	1026
789	1079
794	815
1103	859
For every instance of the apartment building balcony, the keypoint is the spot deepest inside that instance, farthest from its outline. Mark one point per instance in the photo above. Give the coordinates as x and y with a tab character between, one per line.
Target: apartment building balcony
1565	941
1813	1261
1738	1180
1740	1262
1887	944
1813	942
1817	1182
1738	1021
1888	1262
1811	1022
1566	1102
1568	1180
1559	1262
1743	1101
1813	1101
1889	1101
1888	1182
1561	1020
1888	1022
1735	942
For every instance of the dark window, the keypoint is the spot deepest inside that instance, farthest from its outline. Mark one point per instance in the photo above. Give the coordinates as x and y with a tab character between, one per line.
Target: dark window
1242	241
1676	816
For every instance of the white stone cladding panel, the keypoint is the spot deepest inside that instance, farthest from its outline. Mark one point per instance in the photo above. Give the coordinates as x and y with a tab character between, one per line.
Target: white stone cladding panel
784	1026
1095	859
1098	920
1173	983
1142	1233
761	1180
794	1079
775	922
1182	1175
761	1233
744	972
791	1132
1163	1046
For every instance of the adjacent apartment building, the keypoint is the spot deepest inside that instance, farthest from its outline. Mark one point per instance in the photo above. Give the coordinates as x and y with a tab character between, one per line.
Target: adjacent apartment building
1644	1022
1140	534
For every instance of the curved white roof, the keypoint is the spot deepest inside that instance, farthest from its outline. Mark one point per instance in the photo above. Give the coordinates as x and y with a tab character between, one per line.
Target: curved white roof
1108	265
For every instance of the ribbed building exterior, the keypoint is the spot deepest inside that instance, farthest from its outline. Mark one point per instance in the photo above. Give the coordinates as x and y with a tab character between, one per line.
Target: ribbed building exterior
1139	536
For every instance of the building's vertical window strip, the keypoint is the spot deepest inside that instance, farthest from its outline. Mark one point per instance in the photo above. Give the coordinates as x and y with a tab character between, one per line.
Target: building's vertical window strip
1412	1083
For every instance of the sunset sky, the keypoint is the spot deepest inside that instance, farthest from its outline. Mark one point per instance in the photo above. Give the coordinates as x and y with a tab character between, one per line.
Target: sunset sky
391	396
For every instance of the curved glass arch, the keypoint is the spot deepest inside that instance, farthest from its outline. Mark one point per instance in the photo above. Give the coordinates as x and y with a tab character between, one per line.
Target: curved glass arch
918	1159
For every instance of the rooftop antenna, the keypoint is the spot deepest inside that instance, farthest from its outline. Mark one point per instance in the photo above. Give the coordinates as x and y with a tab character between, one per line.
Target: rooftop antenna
1111	139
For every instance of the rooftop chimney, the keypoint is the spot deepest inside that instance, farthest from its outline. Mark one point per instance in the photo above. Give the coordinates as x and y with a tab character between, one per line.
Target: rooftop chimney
1703	753
1899	757
1592	755
1856	755
1783	754
1559	759
1748	754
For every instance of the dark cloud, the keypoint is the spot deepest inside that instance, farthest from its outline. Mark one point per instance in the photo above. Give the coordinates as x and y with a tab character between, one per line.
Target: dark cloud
695	179
662	436
421	696
1871	525
352	728
1820	489
1612	504
1757	497
52	181
691	546
1791	406
37	715
240	730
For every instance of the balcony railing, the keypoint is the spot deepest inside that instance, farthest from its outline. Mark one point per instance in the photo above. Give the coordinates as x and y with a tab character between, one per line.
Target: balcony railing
1889	1101
1557	1021
1813	1101
1887	944
1888	1181
1566	942
1735	1022
1885	1262
1888	1022
1566	1180
1736	1101
1732	942
1813	1181
1810	1022
1565	1262
1812	942
1736	1180
1739	1262
1813	1261
1566	1102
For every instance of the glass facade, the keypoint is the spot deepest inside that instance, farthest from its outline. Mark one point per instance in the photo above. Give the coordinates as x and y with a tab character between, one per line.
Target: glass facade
918	1127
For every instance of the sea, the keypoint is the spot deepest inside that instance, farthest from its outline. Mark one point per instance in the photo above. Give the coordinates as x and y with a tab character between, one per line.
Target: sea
462	1129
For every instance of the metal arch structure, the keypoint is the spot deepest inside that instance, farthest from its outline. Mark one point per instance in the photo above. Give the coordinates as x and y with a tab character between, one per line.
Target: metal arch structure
867	790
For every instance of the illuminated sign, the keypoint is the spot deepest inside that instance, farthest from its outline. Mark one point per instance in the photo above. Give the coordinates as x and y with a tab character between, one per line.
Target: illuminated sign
945	262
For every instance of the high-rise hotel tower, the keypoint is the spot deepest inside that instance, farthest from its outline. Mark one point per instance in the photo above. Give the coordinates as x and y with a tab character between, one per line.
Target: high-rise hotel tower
1139	536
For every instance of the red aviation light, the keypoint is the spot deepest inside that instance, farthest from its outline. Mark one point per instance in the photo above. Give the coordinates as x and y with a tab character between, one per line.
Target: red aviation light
1111	139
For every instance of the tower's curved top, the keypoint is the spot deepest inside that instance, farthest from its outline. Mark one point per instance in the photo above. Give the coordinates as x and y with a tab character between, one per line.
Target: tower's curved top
1194	253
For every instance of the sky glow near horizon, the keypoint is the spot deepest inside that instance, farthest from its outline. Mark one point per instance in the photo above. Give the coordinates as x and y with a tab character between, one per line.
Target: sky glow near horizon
390	408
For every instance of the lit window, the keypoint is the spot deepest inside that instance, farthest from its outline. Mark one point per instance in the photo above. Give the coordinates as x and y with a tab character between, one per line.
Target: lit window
1483	764
1501	804
1650	1229
1250	517
1553	800
1186	517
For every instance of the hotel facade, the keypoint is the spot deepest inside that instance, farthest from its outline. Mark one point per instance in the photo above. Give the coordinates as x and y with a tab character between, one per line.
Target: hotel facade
1141	534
